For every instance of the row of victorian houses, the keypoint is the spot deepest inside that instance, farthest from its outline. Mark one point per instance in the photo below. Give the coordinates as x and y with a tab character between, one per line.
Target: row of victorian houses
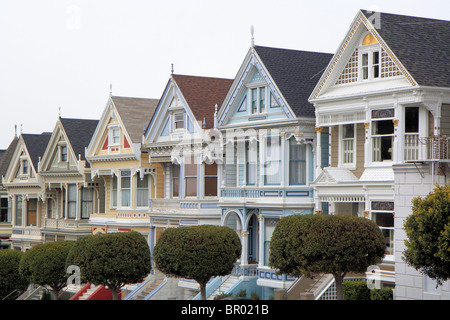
359	132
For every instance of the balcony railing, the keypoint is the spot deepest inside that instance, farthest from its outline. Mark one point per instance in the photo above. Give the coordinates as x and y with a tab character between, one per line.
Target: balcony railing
437	147
434	148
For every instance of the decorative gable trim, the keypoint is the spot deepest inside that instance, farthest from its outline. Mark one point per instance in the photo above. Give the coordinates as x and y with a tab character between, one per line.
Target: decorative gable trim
244	77
386	51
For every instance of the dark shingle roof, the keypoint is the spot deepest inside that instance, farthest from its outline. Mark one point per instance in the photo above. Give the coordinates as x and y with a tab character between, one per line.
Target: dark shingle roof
36	145
135	114
6	158
295	73
79	133
422	45
202	94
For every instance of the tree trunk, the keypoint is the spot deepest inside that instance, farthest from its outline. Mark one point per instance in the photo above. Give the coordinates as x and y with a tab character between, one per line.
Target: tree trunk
338	280
203	290
115	294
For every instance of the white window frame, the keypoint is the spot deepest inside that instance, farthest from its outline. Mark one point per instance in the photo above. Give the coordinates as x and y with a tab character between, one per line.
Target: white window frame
111	142
342	146
175	121
369	50
140	188
61	148
258	88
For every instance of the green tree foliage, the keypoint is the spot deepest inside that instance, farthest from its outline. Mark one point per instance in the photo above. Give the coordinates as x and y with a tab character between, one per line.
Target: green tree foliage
111	259
44	264
12	283
428	234
307	244
198	252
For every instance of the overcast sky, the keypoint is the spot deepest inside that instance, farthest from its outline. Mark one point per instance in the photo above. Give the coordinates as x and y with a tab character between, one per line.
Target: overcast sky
66	53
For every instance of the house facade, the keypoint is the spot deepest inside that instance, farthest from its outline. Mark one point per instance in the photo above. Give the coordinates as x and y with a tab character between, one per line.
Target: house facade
70	196
26	190
182	140
383	100
5	203
269	150
116	159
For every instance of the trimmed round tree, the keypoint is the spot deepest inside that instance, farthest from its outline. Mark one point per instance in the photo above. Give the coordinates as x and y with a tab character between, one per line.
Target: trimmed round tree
428	234
111	259
44	264
307	244
12	283
197	252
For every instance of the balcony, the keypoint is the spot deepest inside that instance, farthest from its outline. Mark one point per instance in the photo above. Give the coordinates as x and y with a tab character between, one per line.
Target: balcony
434	148
60	224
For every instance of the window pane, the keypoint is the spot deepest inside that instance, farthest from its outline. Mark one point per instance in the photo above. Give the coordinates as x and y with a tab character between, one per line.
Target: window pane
72	201
142	192
191	187
191	169
19	205
211	169
175	180
114	190
411	119
297	163
262	99
31	212
254	101
4	210
211	186
348	131
87	202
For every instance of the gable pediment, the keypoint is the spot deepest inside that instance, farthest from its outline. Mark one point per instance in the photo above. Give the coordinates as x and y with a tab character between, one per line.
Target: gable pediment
362	63
21	167
253	96
111	137
173	120
59	155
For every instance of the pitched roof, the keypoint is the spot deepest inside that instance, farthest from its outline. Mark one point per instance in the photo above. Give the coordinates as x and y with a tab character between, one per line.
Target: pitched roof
202	94
135	114
421	44
79	133
36	145
7	155
295	73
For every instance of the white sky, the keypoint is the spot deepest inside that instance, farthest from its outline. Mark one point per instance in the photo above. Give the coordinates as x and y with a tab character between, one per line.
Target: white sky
66	53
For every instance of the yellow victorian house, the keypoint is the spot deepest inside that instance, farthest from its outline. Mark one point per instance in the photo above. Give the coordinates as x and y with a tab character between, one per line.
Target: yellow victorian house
115	156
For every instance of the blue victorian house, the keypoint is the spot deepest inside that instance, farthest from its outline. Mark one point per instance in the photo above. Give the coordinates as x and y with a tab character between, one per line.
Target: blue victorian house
269	150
